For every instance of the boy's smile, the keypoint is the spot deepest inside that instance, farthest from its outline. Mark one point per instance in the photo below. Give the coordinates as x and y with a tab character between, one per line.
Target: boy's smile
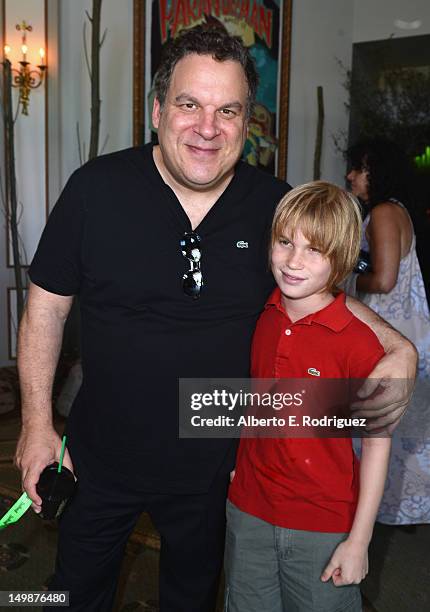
302	273
291	279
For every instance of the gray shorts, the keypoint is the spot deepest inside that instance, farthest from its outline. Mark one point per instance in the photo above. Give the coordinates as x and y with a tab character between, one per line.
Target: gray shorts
273	569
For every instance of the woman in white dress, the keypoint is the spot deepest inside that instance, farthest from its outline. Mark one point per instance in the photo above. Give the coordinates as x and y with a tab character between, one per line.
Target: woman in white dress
393	286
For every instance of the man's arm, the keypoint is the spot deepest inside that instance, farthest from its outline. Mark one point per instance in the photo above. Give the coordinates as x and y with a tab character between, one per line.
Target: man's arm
395	372
39	345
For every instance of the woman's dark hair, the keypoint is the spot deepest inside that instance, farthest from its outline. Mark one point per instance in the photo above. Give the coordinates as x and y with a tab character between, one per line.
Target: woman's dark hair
389	169
205	39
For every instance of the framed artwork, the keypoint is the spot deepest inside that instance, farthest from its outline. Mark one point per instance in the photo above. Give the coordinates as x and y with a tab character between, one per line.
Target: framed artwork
263	25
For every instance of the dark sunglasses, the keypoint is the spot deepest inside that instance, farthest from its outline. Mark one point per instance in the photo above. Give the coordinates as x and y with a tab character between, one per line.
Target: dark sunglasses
192	281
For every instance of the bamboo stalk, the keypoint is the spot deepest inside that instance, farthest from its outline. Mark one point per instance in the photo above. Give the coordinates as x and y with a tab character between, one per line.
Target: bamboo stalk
319	138
11	181
95	79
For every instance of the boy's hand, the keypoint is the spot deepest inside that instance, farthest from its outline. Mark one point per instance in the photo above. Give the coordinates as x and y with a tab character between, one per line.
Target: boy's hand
348	565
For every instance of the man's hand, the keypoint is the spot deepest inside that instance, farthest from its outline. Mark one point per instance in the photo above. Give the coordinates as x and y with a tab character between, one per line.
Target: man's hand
348	565
395	375
39	344
36	449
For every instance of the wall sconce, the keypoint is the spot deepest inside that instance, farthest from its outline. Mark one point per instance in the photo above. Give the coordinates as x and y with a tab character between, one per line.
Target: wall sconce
24	77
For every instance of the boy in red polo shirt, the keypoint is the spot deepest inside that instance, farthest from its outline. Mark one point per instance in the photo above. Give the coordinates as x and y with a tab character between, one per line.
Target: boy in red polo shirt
301	511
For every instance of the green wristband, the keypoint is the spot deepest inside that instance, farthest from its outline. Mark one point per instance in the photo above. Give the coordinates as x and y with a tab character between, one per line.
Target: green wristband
19	508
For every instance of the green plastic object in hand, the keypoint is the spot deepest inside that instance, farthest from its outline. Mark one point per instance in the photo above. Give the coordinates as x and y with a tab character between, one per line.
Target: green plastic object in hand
19	508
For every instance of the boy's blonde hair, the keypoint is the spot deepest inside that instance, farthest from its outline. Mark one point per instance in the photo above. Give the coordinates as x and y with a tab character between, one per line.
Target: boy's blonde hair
329	218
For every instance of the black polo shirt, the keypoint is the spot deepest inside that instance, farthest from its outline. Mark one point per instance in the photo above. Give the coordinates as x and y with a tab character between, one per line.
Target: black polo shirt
113	239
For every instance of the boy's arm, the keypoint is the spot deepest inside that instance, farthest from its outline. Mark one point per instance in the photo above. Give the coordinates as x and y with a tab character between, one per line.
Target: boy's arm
397	369
349	564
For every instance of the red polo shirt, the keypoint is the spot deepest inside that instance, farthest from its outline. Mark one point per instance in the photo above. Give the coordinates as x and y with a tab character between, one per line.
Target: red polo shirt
304	483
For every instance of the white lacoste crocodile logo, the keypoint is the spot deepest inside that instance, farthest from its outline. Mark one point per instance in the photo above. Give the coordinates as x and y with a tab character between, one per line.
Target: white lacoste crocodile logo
241	244
314	372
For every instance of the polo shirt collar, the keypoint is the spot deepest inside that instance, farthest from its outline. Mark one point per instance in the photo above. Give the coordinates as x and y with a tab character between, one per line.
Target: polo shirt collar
335	316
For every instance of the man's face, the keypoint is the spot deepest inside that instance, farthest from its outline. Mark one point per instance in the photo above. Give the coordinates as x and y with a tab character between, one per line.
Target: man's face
300	270
202	125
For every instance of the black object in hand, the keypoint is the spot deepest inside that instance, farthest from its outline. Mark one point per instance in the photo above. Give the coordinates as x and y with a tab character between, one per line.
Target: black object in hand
363	263
55	488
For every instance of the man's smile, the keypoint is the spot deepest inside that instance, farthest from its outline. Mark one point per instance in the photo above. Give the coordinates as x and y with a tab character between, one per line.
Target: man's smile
202	151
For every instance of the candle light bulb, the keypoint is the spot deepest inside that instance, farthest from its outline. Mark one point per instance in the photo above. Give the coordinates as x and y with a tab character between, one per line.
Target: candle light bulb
42	52
7	50
24	49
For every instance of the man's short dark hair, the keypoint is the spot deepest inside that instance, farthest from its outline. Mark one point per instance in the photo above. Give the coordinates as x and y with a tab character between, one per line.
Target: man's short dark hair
205	40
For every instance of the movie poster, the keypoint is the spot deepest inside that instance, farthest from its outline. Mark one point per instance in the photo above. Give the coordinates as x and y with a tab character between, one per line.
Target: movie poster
258	23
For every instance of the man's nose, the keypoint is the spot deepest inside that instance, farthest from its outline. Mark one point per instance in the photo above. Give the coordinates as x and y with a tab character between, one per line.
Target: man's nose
208	124
350	175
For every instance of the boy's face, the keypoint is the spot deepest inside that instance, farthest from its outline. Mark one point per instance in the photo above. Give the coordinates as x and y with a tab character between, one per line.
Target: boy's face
300	270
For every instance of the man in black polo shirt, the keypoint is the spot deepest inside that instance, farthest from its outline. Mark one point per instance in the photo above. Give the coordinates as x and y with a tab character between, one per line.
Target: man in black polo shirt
166	247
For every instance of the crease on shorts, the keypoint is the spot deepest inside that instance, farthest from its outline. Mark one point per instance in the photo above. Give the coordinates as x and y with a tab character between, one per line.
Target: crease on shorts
226	598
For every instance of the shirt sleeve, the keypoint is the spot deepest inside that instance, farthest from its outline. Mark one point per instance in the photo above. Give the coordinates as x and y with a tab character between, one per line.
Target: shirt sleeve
56	266
367	352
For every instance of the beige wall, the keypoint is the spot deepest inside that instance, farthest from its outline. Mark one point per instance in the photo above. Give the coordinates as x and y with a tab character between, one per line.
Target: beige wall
116	78
30	148
52	145
323	33
379	19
